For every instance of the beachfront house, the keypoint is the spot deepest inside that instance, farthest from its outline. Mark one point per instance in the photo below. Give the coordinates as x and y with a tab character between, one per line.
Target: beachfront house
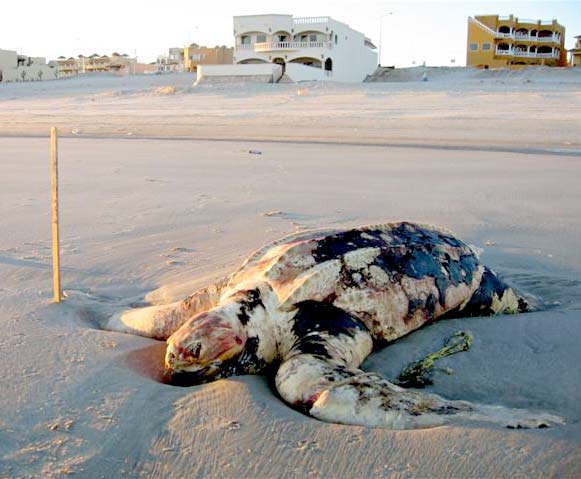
195	55
499	41
15	67
173	61
95	63
575	60
312	48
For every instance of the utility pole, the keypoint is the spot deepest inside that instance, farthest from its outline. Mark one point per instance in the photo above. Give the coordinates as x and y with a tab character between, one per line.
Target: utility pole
381	35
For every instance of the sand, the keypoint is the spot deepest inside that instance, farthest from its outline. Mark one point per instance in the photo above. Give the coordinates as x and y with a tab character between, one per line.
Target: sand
155	214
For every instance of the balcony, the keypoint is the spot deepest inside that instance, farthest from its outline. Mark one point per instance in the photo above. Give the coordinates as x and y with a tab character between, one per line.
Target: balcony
525	38
530	38
277	46
550	39
521	54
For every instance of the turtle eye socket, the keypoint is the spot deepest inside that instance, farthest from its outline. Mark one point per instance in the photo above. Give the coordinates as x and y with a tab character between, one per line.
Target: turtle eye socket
195	350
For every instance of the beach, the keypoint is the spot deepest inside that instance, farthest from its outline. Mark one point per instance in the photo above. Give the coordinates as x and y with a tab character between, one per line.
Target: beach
165	187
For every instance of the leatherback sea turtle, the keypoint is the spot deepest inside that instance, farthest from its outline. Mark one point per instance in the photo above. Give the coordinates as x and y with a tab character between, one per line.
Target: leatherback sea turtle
312	306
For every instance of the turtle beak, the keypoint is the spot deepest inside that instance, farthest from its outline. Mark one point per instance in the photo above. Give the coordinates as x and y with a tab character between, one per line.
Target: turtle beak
177	360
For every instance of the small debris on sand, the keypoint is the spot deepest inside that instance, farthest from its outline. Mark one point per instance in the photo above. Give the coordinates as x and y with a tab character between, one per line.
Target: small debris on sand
165	90
272	213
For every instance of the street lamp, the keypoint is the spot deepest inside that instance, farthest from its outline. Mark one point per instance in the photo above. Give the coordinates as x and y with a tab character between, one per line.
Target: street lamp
381	34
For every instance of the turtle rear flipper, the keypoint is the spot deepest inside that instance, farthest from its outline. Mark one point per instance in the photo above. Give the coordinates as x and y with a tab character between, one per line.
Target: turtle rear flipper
369	400
493	296
320	376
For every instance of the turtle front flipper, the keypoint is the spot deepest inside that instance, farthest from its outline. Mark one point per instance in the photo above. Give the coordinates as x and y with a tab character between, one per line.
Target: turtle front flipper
319	375
160	322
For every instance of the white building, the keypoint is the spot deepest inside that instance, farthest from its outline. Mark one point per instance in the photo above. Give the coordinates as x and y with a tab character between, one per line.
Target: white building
14	67
172	62
307	48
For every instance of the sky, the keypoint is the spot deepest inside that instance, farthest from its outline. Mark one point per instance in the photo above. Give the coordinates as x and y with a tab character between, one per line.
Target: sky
413	31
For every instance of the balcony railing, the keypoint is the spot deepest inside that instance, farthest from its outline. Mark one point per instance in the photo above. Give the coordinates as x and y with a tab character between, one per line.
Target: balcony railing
527	20
310	20
548	39
272	46
525	38
520	54
551	39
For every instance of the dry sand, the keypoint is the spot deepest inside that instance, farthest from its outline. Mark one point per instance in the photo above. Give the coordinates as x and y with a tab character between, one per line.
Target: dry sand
168	215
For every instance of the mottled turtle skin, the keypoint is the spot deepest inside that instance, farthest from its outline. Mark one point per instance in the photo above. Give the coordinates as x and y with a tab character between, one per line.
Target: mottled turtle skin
309	308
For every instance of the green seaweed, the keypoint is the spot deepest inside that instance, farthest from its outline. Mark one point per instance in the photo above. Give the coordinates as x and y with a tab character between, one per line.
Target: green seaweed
418	374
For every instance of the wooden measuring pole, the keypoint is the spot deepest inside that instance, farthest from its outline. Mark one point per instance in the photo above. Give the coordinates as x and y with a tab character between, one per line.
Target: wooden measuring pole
54	187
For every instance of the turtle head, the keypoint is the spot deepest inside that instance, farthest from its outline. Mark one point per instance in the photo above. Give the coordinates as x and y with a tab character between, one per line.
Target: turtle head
206	345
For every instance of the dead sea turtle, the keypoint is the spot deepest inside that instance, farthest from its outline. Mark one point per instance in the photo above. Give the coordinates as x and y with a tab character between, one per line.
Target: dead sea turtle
310	308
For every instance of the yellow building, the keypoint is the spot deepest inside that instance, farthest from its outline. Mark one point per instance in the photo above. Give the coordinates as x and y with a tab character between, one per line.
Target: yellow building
496	42
195	55
576	53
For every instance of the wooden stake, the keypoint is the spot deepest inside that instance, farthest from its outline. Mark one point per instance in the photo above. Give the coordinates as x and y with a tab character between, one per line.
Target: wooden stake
56	270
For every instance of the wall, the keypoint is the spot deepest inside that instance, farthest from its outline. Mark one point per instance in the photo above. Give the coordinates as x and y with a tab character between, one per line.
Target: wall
258	73
481	57
11	72
262	23
8	61
298	72
352	60
15	74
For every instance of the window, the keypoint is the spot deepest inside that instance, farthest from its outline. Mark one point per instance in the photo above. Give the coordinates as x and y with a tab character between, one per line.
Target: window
485	46
336	39
245	40
304	38
261	39
474	47
312	37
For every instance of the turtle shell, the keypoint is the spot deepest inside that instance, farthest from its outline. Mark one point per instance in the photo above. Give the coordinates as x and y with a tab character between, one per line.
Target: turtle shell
394	276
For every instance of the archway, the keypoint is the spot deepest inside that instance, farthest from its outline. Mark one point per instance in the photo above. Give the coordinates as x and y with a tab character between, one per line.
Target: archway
309	61
281	62
251	61
329	65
